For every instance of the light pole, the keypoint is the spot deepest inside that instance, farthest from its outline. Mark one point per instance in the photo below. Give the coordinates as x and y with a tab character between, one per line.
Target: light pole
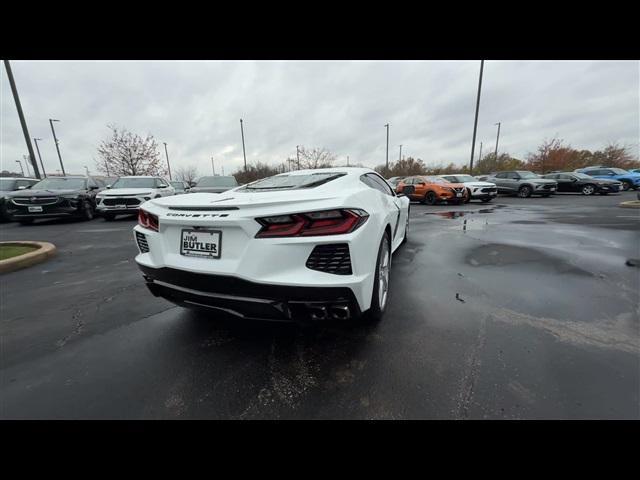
167	155
497	140
347	160
23	122
86	170
400	154
479	156
387	162
26	163
21	169
244	154
475	122
51	120
35	140
213	169
298	155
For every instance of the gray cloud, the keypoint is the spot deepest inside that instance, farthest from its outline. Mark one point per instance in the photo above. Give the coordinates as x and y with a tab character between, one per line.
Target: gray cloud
195	107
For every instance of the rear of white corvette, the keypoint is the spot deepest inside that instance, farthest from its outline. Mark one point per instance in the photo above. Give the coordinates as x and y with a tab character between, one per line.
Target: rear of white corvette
274	251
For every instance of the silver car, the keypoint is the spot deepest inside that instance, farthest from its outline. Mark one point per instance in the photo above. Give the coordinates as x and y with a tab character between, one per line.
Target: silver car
523	183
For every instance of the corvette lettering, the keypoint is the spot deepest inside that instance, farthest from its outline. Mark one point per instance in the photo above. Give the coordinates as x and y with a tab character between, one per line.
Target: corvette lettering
203	215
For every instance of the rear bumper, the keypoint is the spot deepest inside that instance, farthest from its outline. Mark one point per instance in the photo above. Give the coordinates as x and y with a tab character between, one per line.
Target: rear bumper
250	300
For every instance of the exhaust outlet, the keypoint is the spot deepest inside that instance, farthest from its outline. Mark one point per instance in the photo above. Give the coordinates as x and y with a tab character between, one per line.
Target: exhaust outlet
318	313
340	312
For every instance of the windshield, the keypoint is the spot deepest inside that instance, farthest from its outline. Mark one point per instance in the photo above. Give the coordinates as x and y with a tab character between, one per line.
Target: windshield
287	181
60	183
465	178
618	171
134	183
6	183
217	182
582	175
528	175
434	180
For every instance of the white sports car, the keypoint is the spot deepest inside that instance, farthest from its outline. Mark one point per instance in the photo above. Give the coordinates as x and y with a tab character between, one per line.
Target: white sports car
302	245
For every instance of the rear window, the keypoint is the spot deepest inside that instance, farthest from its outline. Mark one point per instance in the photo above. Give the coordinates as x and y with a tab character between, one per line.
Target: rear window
291	182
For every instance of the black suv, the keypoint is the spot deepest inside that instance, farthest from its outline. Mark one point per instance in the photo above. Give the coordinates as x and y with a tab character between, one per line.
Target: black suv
55	197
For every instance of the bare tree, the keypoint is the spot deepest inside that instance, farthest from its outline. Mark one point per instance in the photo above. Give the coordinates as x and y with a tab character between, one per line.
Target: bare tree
316	158
127	153
187	174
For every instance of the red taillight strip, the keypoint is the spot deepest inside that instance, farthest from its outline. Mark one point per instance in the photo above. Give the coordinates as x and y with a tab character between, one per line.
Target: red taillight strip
303	226
148	220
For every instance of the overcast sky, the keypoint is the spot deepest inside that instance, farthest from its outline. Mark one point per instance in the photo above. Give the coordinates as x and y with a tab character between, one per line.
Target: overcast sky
195	107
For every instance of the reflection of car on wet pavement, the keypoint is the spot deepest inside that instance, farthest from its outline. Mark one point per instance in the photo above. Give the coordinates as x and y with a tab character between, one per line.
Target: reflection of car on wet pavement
476	189
627	178
308	244
432	190
522	183
582	183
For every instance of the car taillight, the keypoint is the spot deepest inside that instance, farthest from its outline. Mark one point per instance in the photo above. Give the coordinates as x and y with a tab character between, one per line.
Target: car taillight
326	222
148	220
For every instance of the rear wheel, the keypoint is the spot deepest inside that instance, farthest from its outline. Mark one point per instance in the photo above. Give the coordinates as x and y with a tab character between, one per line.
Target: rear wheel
626	185
588	189
430	198
524	191
381	281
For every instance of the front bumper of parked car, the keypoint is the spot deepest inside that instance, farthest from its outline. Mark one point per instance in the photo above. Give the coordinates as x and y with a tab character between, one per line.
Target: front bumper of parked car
58	207
121	204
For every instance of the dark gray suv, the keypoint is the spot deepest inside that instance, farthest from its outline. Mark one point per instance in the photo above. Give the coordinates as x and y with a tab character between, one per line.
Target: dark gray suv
522	183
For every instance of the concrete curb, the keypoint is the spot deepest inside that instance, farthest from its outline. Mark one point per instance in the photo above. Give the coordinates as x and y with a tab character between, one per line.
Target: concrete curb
44	251
630	204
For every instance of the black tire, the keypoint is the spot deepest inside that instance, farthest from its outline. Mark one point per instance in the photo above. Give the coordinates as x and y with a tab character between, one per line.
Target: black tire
376	311
430	198
109	217
87	211
626	185
588	189
468	199
26	221
604	193
524	191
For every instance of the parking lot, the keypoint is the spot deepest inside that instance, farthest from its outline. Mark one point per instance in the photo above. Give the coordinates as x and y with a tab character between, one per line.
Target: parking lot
515	309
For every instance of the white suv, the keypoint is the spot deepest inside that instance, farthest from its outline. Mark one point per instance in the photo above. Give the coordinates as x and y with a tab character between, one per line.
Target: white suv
125	196
478	190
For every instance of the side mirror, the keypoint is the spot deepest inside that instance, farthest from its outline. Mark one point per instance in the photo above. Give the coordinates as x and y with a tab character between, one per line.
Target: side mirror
109	186
162	186
22	187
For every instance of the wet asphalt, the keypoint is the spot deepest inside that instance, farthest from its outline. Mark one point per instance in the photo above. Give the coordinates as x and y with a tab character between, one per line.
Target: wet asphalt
515	309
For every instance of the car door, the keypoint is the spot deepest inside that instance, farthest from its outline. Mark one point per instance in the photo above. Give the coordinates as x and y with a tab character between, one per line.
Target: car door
500	179
420	183
564	182
395	214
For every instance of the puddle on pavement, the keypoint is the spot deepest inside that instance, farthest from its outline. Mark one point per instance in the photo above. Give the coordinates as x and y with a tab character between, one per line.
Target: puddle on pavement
498	254
462	213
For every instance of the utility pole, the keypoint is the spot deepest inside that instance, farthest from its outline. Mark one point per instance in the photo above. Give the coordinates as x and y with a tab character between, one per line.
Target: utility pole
400	154
167	154
86	170
23	122
298	155
479	156
213	169
21	169
347	160
51	120
35	140
244	154
497	140
475	122
387	162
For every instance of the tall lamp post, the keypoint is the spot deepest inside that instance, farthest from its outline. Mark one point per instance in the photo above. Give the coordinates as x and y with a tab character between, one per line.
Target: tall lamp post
479	156
400	154
497	140
21	169
51	120
298	155
167	155
26	163
213	169
387	162
475	122
244	154
35	140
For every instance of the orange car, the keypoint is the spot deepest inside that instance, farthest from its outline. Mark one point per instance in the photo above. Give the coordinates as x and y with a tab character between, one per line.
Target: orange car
432	190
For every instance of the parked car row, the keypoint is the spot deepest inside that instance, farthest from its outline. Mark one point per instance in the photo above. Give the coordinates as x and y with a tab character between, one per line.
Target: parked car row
28	199
459	188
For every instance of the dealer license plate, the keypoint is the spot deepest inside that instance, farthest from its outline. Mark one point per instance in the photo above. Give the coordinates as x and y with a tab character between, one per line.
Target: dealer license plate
35	209
201	243
458	194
